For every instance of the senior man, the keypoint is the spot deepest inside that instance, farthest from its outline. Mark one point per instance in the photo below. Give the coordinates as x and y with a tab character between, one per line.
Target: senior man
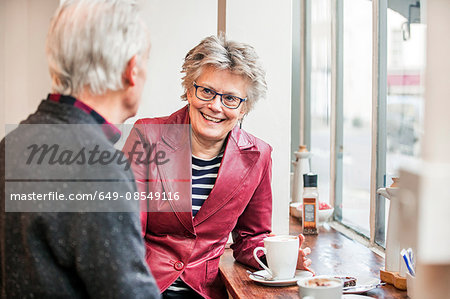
97	52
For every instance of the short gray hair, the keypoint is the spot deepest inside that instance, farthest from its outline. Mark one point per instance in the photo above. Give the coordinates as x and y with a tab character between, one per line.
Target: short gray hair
239	58
90	42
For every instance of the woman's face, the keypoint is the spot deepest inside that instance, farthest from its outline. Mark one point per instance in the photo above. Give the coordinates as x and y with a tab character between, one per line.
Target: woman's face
211	121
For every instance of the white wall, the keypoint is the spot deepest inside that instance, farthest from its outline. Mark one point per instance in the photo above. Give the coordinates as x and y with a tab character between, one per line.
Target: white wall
266	25
175	28
2	67
433	269
24	80
435	196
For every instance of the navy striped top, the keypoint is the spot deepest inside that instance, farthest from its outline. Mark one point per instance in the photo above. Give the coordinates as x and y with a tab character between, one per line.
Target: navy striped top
204	175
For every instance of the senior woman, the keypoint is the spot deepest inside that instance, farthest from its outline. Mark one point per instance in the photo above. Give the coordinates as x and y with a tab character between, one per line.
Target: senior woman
230	172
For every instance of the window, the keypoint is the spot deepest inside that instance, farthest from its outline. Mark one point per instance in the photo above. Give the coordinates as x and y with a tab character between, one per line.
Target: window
357	113
321	94
363	115
405	73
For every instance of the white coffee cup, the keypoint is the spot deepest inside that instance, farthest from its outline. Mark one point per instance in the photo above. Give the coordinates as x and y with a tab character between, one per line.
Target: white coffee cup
281	255
320	287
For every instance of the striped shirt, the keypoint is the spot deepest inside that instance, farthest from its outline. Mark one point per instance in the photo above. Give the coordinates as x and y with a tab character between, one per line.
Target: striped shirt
204	175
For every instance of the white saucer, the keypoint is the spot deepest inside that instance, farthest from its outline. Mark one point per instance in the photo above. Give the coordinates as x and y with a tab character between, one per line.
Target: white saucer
362	288
355	297
358	290
299	274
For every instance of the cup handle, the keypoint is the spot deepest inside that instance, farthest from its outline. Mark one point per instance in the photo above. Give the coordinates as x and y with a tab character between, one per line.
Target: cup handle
259	261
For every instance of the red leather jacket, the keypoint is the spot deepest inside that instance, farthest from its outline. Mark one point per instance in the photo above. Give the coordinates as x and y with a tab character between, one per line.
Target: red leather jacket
240	202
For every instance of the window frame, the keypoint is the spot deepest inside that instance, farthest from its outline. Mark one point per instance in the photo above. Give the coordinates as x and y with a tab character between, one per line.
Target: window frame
379	96
379	112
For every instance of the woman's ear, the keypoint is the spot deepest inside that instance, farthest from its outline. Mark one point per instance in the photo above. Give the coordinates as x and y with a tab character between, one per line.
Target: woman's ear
189	94
131	72
243	111
242	114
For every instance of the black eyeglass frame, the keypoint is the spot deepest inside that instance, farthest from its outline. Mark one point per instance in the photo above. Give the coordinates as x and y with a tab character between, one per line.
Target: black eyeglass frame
218	94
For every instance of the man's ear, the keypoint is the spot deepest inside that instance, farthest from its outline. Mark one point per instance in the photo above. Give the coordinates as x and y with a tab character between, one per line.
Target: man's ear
131	71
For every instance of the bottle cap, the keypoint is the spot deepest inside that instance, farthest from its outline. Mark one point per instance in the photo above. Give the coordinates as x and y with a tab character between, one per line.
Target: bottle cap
310	180
302	149
395	182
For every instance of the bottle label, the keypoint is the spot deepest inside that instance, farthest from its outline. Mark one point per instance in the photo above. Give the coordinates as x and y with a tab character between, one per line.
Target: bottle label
309	213
309	216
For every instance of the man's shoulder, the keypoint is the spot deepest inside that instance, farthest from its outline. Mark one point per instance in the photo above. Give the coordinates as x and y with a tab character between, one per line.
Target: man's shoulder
58	150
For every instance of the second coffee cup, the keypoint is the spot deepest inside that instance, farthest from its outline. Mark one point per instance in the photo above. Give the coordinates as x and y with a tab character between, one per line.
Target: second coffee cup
281	255
320	287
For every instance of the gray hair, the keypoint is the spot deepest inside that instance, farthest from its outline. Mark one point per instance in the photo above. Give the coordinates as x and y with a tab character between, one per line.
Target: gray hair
239	58
90	42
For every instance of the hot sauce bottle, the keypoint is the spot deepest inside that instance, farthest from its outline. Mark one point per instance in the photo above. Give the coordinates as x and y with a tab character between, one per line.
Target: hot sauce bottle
310	205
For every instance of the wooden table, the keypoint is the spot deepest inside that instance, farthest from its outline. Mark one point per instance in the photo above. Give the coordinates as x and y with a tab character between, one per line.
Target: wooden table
332	254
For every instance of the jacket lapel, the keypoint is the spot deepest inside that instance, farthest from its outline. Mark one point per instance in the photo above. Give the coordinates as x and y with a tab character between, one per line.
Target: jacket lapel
176	174
238	160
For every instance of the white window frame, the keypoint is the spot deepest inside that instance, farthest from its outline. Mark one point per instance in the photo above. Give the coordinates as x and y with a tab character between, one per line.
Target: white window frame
379	91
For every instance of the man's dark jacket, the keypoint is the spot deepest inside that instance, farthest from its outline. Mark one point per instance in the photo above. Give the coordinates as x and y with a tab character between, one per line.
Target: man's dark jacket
71	255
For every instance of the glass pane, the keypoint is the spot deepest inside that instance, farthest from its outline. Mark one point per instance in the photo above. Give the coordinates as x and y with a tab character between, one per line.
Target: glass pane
405	85
357	114
321	94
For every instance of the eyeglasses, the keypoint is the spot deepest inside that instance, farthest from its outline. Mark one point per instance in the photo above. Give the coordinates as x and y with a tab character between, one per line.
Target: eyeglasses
208	94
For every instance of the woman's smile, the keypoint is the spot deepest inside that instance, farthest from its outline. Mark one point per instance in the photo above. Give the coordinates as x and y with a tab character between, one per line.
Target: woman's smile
212	119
